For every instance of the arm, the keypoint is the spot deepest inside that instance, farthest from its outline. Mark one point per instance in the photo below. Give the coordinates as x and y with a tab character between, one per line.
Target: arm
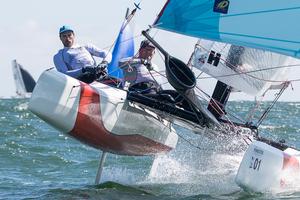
62	67
95	51
123	62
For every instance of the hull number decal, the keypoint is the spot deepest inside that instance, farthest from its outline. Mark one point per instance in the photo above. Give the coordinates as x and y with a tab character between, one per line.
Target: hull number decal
255	163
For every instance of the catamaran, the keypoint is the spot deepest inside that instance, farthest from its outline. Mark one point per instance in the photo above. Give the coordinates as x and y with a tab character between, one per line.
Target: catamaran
240	46
23	80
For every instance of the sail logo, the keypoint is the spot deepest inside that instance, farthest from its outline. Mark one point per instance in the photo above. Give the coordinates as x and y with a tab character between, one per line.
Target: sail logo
221	6
214	58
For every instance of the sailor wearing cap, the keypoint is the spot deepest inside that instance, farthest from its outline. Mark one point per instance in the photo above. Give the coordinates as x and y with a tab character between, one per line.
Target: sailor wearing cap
140	72
75	60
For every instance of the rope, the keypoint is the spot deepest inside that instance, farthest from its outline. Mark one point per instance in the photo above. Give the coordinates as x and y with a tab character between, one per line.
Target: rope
272	105
256	107
253	71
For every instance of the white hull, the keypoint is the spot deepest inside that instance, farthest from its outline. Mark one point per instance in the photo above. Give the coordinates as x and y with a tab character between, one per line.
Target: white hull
100	116
266	168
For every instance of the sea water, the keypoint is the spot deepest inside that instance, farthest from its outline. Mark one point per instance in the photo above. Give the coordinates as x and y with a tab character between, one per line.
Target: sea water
39	162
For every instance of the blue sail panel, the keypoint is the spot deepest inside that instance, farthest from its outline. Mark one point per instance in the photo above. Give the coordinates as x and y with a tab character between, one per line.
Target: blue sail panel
124	47
263	24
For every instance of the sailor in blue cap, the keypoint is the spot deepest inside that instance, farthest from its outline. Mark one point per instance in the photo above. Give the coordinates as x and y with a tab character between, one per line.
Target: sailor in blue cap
76	60
65	28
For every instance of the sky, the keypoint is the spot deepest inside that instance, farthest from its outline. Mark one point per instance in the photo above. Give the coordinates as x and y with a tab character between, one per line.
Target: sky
29	34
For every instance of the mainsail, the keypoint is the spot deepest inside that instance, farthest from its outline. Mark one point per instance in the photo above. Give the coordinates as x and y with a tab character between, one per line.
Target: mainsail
258	24
23	80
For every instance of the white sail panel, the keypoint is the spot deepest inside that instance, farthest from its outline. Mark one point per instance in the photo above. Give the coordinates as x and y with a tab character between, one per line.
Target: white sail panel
250	70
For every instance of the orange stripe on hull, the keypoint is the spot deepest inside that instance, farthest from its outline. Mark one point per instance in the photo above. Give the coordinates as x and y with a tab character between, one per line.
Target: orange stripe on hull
290	162
89	129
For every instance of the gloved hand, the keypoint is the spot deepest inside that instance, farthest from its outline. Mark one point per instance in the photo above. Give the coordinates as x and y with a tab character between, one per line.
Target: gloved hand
101	69
89	69
88	74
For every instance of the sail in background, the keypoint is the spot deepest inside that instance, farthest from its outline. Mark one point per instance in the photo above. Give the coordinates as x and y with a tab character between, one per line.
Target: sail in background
262	24
124	47
250	70
23	80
